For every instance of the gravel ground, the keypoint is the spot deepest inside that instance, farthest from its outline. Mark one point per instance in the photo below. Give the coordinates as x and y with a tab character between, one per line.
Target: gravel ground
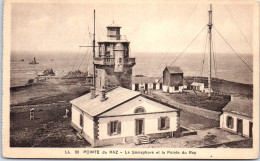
204	138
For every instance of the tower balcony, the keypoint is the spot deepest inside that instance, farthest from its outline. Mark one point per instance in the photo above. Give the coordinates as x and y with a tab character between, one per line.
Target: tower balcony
104	61
111	61
130	61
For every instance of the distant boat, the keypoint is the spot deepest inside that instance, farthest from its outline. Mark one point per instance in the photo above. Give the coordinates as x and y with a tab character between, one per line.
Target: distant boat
34	61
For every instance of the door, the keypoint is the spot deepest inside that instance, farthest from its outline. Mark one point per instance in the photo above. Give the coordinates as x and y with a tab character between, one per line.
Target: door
250	129
146	87
154	86
160	85
139	125
240	126
136	87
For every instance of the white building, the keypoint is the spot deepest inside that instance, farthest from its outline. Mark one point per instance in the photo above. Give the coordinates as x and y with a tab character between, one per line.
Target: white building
122	115
198	86
237	117
154	83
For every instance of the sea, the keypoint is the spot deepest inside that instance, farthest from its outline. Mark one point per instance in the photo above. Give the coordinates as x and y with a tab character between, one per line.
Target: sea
224	66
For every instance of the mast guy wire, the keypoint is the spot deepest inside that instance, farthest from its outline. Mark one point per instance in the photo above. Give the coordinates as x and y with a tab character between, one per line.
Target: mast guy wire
238	27
185	49
233	49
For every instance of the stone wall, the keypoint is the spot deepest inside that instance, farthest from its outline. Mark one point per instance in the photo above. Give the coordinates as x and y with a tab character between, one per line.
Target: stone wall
201	112
112	78
196	110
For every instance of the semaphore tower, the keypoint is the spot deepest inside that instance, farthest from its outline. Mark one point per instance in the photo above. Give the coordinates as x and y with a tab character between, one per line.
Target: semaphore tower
113	66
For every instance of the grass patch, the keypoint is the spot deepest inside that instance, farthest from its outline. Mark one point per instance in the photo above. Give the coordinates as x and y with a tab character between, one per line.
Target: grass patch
215	103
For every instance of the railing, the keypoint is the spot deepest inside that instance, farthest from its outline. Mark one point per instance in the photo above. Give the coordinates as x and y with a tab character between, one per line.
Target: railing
104	61
130	61
111	61
116	37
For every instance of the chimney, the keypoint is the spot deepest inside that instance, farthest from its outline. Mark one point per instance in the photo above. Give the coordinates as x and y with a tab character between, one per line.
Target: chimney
93	92
103	95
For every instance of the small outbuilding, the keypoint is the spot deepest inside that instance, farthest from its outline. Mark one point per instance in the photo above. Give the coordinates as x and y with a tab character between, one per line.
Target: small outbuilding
154	83
237	116
121	115
197	86
172	79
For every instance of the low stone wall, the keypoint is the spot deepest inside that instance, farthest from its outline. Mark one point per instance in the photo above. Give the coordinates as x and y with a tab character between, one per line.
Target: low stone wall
40	107
200	111
194	109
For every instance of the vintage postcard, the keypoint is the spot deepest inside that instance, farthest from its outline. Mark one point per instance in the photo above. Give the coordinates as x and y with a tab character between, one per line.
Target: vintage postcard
142	79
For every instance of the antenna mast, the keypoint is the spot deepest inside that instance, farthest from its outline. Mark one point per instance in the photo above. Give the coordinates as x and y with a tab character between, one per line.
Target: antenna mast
210	50
93	45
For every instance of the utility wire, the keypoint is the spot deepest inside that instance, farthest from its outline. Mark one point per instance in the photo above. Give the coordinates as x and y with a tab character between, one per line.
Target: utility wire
238	27
214	54
188	46
79	51
185	24
185	49
86	55
233	49
204	54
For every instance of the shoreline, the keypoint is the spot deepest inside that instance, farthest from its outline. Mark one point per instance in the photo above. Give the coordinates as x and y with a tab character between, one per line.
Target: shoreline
55	90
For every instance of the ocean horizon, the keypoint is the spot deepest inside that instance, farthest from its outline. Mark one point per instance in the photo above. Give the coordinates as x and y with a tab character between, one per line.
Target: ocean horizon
227	66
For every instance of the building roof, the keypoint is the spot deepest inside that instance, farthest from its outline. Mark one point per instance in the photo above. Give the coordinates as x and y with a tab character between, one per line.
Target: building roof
94	106
113	25
136	80
174	69
240	106
113	41
197	84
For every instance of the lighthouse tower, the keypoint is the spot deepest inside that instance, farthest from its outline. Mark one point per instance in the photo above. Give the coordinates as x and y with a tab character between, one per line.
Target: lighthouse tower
112	62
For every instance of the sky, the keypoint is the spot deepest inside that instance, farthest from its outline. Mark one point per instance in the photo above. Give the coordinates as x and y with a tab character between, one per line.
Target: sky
150	26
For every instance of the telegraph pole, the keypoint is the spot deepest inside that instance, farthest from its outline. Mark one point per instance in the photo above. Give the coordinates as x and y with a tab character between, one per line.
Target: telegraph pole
210	50
93	45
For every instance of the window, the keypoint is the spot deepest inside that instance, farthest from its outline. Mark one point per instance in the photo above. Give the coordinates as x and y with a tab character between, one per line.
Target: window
230	122
177	88
81	121
120	60
163	123
113	128
139	109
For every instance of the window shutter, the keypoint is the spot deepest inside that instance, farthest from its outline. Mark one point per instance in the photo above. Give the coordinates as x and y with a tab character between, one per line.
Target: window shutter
109	128
119	127
81	121
167	122
159	124
232	122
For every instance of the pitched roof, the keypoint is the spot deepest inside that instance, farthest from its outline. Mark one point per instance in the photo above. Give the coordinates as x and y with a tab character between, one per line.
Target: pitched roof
197	84
146	80
113	25
240	106
95	107
174	69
